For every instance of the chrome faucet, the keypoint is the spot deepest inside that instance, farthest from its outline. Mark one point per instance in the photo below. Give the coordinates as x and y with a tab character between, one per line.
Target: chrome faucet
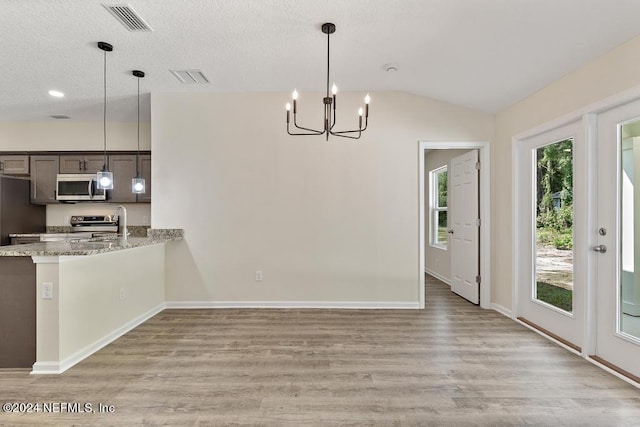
125	232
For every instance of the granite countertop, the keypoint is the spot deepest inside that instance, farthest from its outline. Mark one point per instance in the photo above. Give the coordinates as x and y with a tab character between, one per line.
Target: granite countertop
91	246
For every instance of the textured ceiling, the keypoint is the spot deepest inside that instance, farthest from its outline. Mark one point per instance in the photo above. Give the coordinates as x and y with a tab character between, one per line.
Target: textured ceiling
482	54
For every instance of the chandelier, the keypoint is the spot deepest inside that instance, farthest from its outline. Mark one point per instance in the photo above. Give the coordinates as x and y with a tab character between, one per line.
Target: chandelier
329	107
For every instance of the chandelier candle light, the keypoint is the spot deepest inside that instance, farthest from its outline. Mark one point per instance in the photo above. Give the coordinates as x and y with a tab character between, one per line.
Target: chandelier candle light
105	177
329	107
137	183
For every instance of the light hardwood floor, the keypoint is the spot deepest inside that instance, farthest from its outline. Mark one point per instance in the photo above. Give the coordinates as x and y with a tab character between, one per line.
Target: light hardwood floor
451	364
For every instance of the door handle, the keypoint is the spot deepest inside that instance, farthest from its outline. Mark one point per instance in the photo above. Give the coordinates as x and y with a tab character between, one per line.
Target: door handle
600	248
450	231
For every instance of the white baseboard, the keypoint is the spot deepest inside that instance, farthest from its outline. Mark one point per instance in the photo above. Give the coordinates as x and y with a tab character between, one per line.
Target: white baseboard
438	276
60	367
502	310
402	305
46	368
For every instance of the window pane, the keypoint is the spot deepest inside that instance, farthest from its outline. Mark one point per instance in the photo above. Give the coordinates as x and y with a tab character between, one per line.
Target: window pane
554	225
441	221
442	189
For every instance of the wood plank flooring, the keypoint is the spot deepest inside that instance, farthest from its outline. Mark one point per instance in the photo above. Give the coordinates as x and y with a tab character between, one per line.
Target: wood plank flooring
451	364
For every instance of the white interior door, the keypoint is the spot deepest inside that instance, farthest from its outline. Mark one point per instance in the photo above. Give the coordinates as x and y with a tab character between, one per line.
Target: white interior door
618	231
550	223
464	226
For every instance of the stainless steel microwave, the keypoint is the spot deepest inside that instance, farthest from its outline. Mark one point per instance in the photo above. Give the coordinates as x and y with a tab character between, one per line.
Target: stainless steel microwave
78	187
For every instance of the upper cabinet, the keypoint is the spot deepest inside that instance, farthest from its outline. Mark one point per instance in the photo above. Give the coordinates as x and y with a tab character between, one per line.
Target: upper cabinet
43	168
123	168
43	179
145	172
14	165
70	163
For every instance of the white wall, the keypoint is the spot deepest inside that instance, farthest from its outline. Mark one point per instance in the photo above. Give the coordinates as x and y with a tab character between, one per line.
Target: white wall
610	74
437	260
329	221
87	310
69	135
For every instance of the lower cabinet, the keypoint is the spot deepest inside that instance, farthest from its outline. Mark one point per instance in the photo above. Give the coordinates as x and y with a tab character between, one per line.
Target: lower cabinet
17	312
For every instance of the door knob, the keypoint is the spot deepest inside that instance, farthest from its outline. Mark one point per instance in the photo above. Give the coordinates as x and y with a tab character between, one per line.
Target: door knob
600	248
450	231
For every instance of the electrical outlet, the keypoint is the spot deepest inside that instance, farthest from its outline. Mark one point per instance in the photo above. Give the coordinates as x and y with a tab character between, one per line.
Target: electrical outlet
122	294
47	290
258	275
145	220
66	220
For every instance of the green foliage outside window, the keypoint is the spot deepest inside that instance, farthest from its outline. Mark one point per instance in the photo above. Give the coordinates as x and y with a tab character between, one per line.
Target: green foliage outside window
555	194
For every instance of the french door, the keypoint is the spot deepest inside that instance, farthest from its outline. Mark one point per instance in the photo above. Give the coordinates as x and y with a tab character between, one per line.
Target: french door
550	218
617	235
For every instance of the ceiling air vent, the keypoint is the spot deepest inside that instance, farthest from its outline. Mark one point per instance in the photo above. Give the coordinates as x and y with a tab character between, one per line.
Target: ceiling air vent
59	116
128	17
190	76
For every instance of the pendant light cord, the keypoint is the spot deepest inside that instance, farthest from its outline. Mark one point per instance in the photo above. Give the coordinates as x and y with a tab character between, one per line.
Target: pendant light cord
104	114
138	153
328	38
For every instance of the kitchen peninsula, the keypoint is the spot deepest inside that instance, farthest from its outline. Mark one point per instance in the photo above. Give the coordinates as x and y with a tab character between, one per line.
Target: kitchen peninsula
81	296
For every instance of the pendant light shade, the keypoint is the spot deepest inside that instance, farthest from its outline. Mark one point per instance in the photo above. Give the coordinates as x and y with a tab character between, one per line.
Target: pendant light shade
105	177
137	183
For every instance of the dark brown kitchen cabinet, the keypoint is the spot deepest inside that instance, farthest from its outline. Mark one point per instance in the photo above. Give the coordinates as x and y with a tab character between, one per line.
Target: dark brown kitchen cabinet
124	169
44	170
145	172
17	312
14	165
70	163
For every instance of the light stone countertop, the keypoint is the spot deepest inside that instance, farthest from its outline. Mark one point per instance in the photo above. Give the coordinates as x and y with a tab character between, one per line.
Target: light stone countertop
91	246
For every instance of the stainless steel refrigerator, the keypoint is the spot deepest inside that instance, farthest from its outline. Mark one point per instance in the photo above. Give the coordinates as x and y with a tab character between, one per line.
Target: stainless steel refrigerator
17	214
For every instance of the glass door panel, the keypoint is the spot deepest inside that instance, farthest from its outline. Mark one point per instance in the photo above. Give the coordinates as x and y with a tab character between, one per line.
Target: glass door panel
629	284
554	225
617	236
550	224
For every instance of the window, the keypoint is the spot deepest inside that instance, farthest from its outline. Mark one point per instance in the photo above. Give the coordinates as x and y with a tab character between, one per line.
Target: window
438	207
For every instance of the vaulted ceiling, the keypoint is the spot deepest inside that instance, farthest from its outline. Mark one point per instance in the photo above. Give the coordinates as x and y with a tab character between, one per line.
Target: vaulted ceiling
481	54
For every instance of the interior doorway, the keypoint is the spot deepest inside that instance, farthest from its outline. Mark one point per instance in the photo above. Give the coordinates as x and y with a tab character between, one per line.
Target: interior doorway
435	234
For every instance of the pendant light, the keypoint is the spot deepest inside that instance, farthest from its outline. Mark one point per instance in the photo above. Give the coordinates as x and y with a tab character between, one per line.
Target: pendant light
137	183
105	177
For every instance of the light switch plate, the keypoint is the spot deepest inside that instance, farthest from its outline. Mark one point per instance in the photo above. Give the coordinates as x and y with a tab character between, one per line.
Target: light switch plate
47	290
